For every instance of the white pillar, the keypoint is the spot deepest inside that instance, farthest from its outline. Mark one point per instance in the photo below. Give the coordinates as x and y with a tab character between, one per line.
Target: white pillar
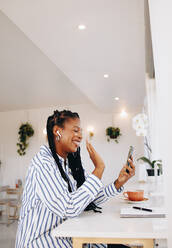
161	28
152	115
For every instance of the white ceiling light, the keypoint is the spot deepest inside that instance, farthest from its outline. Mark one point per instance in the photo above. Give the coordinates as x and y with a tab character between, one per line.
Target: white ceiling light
117	98
106	75
81	27
123	114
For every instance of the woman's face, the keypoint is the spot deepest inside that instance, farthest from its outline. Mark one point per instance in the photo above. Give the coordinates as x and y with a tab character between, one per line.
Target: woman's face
71	135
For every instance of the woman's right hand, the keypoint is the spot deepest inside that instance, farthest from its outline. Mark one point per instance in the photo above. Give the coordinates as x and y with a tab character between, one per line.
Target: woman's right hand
96	159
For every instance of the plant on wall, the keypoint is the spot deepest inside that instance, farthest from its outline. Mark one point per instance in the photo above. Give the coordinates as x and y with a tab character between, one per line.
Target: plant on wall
113	133
25	131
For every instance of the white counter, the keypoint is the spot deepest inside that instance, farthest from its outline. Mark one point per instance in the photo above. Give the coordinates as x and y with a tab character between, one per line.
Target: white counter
108	224
108	227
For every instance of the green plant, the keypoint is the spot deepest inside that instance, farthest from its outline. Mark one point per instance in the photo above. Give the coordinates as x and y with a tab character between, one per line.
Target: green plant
152	163
25	131
113	133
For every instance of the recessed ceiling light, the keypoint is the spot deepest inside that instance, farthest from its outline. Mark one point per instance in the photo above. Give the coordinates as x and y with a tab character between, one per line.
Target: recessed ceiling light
81	27
106	75
117	98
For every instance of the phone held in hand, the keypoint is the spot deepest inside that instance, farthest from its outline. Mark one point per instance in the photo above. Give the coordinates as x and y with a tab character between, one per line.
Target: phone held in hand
130	154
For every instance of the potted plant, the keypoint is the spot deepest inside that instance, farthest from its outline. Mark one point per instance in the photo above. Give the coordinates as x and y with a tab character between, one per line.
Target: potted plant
25	132
152	163
113	133
140	124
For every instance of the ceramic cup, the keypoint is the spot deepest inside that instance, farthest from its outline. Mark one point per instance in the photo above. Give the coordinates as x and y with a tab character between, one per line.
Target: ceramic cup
137	195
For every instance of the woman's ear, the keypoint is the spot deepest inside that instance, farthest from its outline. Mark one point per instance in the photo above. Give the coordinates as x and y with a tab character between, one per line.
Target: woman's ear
56	131
58	134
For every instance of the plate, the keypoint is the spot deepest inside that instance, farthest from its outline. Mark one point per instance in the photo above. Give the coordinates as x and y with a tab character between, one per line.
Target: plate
135	202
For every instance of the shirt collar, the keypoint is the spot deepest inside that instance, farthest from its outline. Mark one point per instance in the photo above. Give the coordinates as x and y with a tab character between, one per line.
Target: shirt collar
62	160
45	150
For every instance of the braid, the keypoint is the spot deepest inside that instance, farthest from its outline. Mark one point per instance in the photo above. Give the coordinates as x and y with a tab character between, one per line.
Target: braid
50	124
78	174
59	118
76	167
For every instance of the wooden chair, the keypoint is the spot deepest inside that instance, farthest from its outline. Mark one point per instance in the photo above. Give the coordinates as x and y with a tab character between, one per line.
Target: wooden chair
13	203
3	201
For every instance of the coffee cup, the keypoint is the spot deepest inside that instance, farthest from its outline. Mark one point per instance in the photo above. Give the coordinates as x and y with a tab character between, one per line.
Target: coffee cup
137	195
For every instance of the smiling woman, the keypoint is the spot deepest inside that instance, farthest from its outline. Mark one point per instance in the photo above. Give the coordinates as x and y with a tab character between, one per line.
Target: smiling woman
57	187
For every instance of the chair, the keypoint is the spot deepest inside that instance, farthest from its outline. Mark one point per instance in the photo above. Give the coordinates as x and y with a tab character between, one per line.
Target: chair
3	201
13	203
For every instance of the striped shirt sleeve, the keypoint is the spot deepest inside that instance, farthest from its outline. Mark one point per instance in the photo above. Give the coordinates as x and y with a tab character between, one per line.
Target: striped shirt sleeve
52	190
106	192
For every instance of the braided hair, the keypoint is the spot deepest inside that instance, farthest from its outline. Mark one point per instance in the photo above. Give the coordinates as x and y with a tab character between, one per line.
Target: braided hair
74	159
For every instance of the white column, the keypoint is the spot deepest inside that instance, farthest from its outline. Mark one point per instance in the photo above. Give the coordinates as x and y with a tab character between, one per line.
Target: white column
161	22
152	115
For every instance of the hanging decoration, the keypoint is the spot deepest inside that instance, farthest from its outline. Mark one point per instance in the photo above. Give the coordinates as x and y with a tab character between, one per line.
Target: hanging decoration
25	131
113	133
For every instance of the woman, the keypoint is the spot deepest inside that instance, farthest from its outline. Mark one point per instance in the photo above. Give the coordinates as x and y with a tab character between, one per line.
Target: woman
57	187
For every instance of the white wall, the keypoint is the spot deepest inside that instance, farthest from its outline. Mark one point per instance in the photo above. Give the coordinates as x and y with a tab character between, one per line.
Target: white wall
161	19
114	155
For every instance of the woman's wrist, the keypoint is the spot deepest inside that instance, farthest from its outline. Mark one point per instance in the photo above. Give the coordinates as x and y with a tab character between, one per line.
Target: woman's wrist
118	184
98	172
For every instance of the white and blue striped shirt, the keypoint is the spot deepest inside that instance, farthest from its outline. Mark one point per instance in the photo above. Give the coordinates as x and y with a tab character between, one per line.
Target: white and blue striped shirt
46	201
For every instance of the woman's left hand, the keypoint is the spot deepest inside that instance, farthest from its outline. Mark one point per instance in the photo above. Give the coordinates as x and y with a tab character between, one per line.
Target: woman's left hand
123	175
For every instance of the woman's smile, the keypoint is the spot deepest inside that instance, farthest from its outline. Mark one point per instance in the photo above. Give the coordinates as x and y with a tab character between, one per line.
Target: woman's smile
77	143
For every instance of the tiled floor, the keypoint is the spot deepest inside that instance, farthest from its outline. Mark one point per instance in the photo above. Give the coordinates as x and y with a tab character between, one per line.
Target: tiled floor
7	235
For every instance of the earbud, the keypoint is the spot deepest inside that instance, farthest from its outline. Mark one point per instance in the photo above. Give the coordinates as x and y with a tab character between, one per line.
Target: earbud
58	133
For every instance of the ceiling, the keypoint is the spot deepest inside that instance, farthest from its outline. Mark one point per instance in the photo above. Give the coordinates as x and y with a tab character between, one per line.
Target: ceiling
45	60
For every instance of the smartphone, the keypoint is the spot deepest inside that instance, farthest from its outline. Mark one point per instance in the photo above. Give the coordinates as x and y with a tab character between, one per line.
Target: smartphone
130	153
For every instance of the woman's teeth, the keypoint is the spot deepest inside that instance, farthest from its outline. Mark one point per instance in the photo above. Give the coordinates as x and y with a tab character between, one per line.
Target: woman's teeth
76	143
